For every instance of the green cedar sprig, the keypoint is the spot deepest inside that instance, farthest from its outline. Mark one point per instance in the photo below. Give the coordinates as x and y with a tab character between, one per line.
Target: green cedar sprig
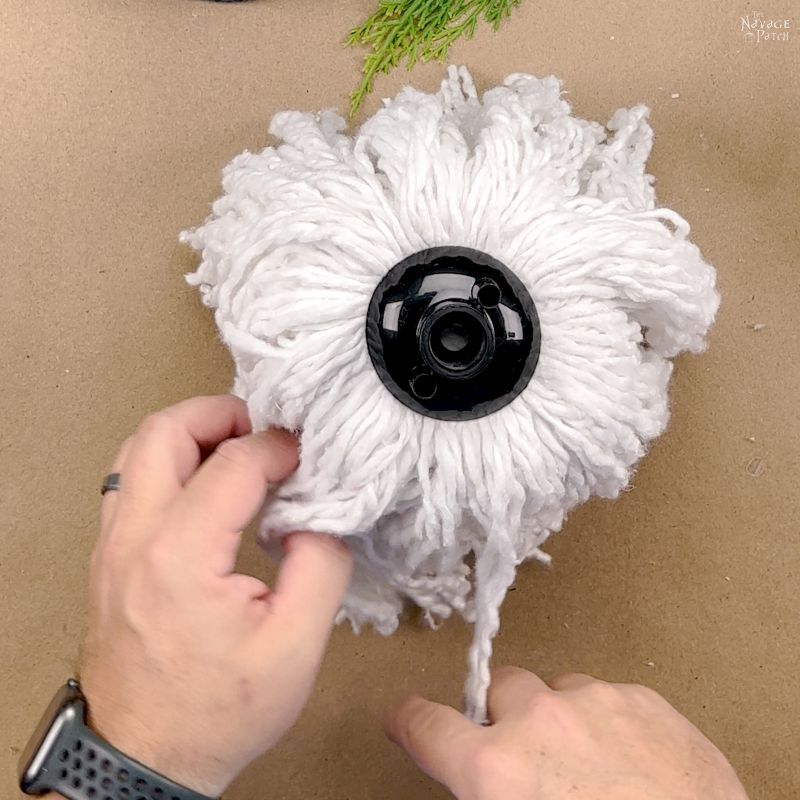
417	30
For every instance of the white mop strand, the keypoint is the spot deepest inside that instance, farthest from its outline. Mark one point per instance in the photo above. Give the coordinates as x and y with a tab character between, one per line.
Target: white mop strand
304	233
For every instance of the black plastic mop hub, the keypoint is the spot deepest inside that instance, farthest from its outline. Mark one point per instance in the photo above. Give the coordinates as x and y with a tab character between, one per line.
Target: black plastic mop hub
452	333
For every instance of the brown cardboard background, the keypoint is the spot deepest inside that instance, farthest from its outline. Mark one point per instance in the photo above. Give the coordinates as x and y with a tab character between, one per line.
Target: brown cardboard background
115	119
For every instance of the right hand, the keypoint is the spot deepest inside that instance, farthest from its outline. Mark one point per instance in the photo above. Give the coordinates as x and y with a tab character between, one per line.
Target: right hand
578	738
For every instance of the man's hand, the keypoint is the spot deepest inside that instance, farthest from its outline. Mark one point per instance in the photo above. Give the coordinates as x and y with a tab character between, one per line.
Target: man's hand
189	667
577	739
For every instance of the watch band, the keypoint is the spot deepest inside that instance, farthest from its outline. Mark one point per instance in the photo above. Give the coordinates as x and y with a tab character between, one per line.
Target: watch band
64	756
82	766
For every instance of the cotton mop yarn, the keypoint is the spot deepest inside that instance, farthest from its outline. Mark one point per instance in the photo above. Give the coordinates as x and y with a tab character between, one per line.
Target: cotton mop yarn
440	510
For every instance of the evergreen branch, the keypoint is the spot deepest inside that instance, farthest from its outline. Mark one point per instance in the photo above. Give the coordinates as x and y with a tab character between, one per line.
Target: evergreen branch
417	30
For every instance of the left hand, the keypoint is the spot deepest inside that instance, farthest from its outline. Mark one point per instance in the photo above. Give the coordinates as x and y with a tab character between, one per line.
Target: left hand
188	666
577	738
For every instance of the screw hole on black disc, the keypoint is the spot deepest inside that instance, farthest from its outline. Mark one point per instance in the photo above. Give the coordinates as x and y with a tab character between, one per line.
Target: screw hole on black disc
489	295
424	386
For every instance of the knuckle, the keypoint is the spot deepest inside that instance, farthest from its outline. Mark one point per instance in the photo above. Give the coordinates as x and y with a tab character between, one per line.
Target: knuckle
235	453
566	680
155	424
417	725
506	672
643	693
605	694
543	706
601	689
417	721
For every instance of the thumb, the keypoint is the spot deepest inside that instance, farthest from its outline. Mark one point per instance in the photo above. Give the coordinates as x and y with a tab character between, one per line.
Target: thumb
438	738
311	584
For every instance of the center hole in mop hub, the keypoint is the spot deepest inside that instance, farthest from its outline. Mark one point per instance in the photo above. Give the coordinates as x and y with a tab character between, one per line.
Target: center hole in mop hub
457	341
453	333
454	338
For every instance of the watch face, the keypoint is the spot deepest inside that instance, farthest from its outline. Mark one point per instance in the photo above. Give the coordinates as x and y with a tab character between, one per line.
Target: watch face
67	706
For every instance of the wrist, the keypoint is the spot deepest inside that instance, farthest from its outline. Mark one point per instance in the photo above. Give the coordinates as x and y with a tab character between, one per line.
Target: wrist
142	739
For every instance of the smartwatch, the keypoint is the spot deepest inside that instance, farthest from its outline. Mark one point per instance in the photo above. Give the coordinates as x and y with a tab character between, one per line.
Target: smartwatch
64	756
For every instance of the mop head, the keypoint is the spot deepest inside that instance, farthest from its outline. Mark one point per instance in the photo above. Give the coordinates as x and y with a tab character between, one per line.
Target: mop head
445	456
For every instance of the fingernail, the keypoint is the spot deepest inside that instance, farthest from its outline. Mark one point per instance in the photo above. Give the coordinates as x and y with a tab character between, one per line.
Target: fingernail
284	442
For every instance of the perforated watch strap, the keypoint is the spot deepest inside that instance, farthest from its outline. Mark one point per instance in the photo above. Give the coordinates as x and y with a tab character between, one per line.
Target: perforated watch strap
84	767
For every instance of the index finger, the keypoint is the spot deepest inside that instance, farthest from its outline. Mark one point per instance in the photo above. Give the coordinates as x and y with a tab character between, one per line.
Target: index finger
227	491
439	739
169	444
